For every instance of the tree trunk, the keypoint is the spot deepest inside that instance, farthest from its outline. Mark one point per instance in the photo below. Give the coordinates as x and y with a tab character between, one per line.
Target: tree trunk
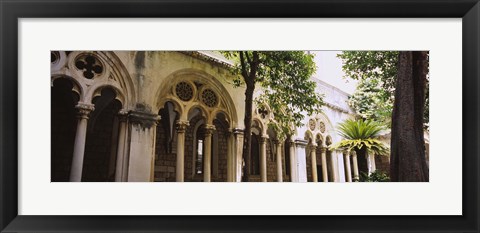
361	160
248	131
407	155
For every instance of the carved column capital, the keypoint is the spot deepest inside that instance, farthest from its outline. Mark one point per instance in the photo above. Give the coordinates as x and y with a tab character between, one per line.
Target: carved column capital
84	109
182	126
209	130
263	139
323	149
346	152
353	152
276	142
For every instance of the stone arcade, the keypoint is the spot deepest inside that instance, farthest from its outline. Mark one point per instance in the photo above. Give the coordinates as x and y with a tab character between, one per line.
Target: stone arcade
176	116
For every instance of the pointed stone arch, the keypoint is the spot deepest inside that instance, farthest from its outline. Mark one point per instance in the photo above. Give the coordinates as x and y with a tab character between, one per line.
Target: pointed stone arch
200	82
329	128
108	71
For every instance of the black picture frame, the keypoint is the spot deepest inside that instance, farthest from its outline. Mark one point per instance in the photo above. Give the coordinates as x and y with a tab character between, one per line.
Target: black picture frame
11	11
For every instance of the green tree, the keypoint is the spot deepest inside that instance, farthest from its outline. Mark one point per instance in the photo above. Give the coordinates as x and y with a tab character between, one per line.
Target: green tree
361	136
288	90
376	72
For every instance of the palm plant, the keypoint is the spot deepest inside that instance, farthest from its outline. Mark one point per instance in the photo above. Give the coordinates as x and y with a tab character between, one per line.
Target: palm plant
359	135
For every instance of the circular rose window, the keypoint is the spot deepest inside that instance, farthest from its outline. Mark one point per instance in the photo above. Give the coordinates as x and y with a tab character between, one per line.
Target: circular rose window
209	98
184	91
311	124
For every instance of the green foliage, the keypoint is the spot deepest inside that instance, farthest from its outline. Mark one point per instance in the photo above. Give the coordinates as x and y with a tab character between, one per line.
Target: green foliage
285	79
376	176
374	65
371	101
376	74
361	133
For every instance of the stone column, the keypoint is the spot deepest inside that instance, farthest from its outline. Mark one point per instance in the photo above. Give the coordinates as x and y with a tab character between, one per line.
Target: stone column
340	164
263	159
293	162
122	129
207	159
230	154
348	172
141	161
301	159
324	164
333	166
278	153
80	138
181	128
355	166
238	154
313	156
372	161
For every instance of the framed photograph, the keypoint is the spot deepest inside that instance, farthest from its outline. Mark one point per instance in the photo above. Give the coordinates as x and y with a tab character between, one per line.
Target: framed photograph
310	116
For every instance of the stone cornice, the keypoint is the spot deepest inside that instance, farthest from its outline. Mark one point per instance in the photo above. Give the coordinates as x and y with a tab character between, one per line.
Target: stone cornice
337	108
204	57
302	143
146	120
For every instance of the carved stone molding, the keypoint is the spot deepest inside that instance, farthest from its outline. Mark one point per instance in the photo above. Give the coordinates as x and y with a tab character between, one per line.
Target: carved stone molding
146	120
301	143
122	115
334	107
237	131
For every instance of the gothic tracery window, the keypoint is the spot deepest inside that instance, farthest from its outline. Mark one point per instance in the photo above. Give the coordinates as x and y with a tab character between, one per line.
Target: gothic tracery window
209	98
184	91
322	127
311	124
54	56
90	66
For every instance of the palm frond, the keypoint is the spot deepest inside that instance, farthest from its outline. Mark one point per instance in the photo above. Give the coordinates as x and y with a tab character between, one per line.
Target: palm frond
360	133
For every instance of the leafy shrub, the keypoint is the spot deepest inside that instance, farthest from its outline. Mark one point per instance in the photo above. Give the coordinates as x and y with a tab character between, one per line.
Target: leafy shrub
376	176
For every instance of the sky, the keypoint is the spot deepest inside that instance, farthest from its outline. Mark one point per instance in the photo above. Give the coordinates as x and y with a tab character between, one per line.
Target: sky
329	70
